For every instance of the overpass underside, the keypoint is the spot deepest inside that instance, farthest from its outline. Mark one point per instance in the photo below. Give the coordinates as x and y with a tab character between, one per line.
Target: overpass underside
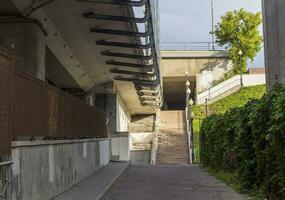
202	68
73	75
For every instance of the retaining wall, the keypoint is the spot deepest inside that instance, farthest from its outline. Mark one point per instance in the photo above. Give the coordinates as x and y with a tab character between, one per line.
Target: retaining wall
45	169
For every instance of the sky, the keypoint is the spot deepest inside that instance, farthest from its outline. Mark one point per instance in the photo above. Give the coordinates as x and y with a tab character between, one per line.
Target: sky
190	20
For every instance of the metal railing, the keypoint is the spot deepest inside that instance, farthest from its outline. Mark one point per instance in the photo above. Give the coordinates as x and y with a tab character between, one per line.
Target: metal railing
214	92
191	46
41	110
5	179
6	78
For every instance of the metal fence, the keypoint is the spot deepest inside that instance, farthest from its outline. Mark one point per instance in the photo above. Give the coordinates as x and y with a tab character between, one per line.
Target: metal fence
191	46
6	80
41	110
32	108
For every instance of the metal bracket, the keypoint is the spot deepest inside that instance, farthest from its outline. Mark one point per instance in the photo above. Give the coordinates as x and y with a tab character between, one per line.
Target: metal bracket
125	64
124	33
92	15
125	45
130	56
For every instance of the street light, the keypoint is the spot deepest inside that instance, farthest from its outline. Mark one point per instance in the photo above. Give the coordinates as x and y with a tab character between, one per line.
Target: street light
187	84
240	63
188	91
191	102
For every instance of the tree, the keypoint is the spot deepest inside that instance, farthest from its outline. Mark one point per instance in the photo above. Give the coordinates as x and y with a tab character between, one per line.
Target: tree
239	31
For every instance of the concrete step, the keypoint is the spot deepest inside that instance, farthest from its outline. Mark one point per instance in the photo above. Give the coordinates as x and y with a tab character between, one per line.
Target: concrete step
141	146
173	139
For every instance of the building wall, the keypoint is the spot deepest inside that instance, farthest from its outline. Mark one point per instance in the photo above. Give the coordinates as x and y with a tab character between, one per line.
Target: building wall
45	169
274	36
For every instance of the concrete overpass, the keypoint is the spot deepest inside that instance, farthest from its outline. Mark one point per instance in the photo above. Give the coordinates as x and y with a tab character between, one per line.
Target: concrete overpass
201	67
74	75
75	45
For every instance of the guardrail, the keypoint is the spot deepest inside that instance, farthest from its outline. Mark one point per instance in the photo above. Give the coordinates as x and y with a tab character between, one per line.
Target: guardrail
191	46
218	90
248	80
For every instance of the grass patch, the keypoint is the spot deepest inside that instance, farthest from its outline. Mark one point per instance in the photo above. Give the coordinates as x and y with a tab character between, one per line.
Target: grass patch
196	130
237	99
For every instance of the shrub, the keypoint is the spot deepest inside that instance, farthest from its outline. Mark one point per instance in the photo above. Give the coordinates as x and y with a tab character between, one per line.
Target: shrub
255	133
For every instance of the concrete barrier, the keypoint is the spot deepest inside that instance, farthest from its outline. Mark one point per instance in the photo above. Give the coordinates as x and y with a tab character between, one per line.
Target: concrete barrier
45	169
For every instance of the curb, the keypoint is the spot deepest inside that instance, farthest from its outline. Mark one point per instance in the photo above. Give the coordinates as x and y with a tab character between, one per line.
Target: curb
108	187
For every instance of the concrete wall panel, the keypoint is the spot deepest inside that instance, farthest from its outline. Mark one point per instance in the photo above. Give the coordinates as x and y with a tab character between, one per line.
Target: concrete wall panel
43	171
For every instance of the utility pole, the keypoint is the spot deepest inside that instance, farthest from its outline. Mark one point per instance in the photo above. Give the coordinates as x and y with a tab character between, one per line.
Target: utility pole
212	15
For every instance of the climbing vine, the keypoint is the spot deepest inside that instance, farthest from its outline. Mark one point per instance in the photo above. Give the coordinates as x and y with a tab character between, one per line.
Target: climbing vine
251	142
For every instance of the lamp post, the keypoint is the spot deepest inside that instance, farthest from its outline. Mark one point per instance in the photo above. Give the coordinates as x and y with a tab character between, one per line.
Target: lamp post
191	117
188	91
240	63
188	109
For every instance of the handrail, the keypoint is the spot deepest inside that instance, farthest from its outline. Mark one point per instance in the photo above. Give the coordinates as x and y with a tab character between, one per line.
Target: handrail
7	163
211	91
206	46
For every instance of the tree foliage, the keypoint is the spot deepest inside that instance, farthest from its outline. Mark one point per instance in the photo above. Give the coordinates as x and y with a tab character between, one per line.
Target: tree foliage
255	133
239	30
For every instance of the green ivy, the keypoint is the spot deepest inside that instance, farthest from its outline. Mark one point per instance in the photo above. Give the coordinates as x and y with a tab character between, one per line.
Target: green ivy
255	134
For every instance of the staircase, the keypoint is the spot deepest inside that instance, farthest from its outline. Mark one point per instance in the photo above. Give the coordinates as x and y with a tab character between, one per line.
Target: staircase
172	140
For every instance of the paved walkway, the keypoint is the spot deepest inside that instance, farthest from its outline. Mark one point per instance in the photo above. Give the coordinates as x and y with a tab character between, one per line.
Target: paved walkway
169	183
95	186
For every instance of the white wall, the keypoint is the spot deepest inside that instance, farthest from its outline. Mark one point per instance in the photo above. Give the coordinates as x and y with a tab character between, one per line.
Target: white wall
248	80
123	118
121	147
120	144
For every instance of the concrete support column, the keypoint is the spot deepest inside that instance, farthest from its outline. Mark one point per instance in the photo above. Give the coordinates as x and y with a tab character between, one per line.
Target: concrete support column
111	112
27	41
274	37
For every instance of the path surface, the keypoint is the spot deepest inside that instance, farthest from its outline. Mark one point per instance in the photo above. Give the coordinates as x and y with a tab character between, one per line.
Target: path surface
169	183
95	186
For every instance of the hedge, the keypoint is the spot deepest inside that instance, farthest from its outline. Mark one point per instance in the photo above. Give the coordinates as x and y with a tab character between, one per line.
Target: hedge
254	136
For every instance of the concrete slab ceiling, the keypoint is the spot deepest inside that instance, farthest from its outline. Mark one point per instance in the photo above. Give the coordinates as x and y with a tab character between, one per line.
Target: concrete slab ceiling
71	42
